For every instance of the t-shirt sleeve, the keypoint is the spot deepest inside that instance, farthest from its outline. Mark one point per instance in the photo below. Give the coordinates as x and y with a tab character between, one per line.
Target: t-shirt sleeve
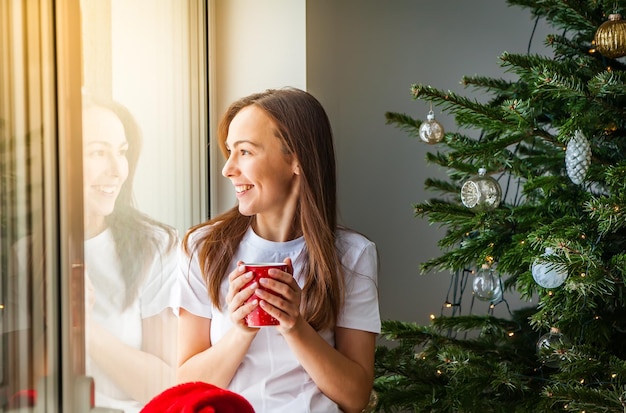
361	309
191	289
157	292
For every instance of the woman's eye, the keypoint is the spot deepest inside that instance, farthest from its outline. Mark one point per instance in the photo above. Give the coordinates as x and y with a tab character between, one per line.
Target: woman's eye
245	152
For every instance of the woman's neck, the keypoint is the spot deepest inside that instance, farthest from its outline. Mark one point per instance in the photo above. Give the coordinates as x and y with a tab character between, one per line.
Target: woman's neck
94	226
277	232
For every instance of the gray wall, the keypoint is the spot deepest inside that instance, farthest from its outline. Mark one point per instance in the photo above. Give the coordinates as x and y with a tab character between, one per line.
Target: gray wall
362	57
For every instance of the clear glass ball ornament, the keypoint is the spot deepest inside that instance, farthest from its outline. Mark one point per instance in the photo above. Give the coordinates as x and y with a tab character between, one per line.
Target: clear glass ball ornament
487	285
552	348
481	193
548	274
431	131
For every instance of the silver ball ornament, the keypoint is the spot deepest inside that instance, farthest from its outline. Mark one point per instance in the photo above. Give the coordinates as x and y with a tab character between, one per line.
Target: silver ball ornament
548	274
431	131
481	193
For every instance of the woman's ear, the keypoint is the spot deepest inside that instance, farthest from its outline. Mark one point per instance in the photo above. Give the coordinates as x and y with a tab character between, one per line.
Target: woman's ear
296	169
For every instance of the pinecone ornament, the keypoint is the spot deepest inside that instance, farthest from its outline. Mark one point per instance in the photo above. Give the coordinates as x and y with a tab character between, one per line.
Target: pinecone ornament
577	157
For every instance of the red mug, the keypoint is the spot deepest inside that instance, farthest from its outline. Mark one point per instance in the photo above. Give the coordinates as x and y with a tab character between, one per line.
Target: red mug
259	317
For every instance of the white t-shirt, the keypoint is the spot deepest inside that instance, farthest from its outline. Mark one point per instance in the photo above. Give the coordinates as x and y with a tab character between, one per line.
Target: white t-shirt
103	268
270	377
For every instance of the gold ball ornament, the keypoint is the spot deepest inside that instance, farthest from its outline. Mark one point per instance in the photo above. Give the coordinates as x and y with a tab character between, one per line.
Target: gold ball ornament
481	193
610	38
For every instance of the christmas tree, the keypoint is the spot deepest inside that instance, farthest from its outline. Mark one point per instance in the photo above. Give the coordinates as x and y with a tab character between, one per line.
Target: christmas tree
533	204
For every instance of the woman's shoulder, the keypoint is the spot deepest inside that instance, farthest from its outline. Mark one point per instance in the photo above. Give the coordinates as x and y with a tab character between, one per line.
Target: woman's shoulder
202	230
165	235
350	240
197	234
357	253
350	236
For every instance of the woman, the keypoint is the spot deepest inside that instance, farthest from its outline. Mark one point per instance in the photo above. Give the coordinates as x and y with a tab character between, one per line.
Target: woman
130	262
320	358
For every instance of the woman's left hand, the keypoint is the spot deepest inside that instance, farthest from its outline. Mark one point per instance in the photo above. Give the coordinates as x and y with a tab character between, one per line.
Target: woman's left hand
284	303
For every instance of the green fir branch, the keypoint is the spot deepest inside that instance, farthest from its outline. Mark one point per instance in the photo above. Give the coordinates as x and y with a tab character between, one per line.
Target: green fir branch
568	48
404	122
484	83
577	398
610	86
574	15
467	112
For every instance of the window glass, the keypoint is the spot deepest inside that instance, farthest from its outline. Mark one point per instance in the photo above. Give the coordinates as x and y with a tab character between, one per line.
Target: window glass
103	141
144	143
29	293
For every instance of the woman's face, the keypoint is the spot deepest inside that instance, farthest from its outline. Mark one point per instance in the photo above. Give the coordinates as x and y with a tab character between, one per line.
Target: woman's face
105	166
264	176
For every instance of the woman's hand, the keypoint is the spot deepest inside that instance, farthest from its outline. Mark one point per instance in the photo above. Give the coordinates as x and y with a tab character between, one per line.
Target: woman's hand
284	303
238	295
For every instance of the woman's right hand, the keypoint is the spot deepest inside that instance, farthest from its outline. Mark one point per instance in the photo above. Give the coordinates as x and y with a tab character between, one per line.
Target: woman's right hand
238	295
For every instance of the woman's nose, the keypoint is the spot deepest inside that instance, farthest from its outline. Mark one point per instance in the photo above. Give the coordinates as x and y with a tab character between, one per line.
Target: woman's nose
116	165
229	167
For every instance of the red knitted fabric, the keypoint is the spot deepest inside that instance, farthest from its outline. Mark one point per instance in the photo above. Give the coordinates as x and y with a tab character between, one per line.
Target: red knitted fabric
197	397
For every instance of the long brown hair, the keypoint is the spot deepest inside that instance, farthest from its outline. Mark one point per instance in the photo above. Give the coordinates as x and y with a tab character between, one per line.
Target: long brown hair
305	131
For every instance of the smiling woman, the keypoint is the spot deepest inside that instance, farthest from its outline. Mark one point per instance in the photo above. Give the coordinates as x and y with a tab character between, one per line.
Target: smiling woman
130	262
105	165
320	356
263	171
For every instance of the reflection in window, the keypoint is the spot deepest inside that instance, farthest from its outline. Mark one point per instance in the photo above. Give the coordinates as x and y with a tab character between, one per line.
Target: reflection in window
149	56
143	124
130	268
